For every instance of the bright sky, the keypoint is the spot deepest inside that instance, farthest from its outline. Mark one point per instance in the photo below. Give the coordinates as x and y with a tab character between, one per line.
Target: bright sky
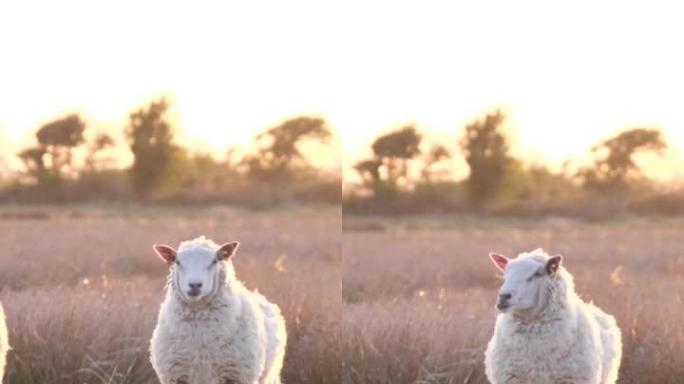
569	74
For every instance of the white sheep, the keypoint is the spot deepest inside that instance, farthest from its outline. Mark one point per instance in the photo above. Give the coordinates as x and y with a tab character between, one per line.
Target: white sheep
544	332
4	343
211	329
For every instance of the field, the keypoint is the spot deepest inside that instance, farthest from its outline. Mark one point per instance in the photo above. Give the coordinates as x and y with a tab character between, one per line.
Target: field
81	286
419	293
388	301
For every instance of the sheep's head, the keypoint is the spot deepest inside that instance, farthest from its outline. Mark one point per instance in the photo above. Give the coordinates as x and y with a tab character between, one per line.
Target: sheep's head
199	268
530	281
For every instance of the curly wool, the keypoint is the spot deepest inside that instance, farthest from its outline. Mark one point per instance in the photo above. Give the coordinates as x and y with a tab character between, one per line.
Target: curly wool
562	340
235	336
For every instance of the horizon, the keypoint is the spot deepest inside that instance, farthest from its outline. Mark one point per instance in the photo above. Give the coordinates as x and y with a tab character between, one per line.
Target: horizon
436	66
665	168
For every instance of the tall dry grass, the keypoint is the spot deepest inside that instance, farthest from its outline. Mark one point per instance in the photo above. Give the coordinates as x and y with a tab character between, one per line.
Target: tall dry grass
414	303
81	287
419	293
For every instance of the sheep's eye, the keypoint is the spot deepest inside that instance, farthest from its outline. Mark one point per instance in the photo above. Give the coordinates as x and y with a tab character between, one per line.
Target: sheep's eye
536	274
213	263
177	262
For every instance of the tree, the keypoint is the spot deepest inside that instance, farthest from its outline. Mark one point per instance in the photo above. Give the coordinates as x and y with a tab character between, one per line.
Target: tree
151	141
369	171
52	157
392	153
395	149
486	151
34	162
279	153
59	139
615	167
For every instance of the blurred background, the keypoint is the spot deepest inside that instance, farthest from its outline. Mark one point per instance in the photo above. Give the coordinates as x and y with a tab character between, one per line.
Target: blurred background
635	171
160	102
70	162
525	109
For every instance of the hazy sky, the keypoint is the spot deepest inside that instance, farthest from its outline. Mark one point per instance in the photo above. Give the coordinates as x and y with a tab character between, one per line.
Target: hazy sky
570	75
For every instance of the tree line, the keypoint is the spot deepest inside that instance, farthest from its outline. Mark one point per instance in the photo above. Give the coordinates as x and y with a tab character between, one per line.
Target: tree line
162	170
406	172
496	180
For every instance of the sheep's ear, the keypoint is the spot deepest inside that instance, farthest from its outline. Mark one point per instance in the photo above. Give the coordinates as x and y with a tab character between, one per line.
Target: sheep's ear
553	263
499	260
166	253
227	250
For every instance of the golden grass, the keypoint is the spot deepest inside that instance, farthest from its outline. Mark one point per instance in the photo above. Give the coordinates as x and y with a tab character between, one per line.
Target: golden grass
82	290
419	295
387	301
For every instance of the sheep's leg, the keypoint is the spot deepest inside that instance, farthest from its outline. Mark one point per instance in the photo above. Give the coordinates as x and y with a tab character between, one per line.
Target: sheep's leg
234	376
231	379
173	372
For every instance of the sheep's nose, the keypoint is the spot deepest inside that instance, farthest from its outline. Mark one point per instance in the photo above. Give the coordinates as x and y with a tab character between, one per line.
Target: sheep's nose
195	289
502	304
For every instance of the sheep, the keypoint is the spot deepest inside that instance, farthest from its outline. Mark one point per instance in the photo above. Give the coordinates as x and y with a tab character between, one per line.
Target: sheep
544	332
211	329
4	343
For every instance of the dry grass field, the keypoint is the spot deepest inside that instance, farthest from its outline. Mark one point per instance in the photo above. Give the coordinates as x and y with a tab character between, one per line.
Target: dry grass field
388	301
419	293
81	286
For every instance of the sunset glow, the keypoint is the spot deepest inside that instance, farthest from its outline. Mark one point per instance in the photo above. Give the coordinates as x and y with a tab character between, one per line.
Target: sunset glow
569	76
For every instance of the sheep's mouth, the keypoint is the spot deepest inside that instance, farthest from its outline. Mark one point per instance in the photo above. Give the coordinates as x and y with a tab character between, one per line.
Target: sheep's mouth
194	292
502	307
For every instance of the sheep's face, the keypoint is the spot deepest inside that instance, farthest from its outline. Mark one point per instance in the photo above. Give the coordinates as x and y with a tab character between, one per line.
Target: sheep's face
526	280
196	270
